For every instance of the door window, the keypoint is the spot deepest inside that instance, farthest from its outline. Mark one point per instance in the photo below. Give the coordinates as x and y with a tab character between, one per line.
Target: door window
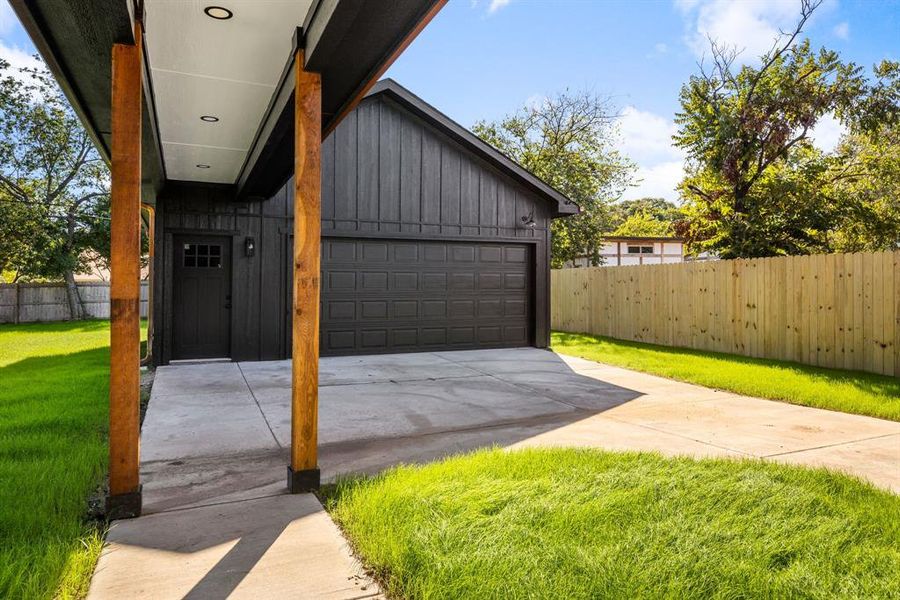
202	256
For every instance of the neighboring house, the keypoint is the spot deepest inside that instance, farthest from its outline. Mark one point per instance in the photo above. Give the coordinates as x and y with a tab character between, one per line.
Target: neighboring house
426	245
621	251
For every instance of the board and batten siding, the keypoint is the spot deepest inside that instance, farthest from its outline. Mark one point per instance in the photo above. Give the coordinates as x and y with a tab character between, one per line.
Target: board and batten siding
386	171
386	174
836	310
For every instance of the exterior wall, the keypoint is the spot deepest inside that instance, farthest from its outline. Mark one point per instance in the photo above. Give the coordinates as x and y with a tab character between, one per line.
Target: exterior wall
615	253
386	174
259	311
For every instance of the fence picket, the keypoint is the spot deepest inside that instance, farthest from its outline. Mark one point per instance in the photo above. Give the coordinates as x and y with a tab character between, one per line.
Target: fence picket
830	310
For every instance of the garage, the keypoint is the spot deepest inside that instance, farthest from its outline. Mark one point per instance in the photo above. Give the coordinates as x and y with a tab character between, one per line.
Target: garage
404	296
431	240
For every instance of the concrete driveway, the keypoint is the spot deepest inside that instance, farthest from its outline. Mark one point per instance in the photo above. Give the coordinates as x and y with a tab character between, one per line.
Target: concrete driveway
218	431
216	437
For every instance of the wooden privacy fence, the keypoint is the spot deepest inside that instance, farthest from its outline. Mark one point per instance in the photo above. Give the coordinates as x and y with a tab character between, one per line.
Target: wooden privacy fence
27	302
835	310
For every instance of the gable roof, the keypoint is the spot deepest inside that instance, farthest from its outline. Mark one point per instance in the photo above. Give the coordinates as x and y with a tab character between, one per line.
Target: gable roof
564	205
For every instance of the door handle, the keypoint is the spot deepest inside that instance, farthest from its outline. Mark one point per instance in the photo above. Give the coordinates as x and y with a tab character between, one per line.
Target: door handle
228	302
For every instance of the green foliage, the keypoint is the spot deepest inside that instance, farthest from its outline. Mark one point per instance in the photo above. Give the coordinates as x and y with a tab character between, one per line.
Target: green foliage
54	187
757	186
643	224
583	523
658	208
865	182
568	141
847	391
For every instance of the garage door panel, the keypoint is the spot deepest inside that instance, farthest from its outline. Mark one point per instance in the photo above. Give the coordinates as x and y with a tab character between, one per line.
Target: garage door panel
398	295
435	253
406	253
406	281
515	255
490	254
374	252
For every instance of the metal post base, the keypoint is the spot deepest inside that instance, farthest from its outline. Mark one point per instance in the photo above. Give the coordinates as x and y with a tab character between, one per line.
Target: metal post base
303	481
124	506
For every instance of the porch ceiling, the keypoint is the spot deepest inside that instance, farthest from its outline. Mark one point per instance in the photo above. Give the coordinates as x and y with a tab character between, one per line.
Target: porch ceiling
226	69
235	69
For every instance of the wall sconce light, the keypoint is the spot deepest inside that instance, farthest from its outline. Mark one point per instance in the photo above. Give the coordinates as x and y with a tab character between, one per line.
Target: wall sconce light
249	246
528	220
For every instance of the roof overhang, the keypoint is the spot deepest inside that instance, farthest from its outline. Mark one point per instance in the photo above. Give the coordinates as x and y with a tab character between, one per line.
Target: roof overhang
351	43
563	205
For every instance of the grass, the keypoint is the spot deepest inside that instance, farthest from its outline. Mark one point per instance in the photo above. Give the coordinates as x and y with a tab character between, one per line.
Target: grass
846	391
583	523
53	455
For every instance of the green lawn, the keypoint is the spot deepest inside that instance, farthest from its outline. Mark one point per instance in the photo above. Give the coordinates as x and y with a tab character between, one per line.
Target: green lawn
847	391
591	524
53	455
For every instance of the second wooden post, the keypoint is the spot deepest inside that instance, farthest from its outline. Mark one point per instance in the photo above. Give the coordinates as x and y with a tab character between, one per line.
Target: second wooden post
303	472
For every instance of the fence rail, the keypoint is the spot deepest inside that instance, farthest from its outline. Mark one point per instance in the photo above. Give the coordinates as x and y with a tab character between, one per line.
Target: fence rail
29	302
835	310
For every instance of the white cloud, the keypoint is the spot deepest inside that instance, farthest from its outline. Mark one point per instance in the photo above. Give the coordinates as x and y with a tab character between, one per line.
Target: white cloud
660	48
827	133
657	181
497	5
751	26
18	58
8	18
842	30
492	6
536	101
646	138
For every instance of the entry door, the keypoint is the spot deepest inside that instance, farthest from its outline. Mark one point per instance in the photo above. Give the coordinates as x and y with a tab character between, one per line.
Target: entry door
201	297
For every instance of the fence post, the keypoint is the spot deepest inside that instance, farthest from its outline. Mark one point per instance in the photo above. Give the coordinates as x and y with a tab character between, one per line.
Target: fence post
16	316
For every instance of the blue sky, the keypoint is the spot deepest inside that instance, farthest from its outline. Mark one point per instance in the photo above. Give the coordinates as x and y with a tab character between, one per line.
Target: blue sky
482	59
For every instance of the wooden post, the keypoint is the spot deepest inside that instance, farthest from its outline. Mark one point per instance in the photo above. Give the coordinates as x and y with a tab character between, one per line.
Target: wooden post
124	499
303	472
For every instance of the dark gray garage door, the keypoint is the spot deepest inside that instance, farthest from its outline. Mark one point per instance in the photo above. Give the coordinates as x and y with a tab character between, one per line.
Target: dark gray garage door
399	296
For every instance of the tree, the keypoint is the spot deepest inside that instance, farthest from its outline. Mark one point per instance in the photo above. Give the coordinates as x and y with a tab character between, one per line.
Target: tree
54	186
568	142
865	182
641	211
747	135
643	224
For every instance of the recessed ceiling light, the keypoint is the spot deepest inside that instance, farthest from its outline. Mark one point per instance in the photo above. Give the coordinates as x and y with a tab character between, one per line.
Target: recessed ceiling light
218	12
209	119
202	166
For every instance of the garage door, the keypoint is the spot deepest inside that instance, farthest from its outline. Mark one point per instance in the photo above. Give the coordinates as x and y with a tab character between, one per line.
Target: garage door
401	296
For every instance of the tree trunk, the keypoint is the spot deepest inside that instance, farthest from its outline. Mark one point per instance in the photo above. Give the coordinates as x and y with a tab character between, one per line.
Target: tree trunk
76	309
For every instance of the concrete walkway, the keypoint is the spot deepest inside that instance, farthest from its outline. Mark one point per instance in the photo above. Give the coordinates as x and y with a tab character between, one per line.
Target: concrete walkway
216	436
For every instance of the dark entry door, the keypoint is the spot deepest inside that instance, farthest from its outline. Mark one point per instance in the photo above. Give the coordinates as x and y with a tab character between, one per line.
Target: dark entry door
201	297
408	295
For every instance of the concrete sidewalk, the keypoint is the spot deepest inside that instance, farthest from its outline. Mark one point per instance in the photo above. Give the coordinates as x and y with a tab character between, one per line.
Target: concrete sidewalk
216	436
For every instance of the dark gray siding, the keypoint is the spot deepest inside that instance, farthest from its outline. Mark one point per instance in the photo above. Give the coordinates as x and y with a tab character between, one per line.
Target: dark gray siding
386	174
259	292
386	171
